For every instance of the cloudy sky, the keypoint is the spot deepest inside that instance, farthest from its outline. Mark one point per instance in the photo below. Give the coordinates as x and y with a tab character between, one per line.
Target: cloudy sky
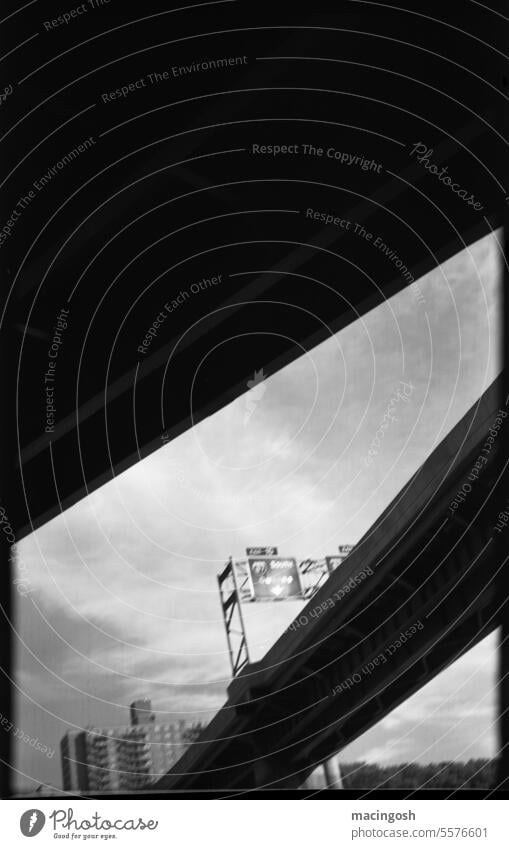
123	598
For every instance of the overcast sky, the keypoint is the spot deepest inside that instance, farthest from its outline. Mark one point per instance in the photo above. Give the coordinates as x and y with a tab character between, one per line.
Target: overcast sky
123	594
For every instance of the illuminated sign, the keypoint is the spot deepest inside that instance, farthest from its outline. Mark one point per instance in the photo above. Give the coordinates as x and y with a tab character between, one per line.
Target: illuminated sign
274	578
261	552
333	562
336	560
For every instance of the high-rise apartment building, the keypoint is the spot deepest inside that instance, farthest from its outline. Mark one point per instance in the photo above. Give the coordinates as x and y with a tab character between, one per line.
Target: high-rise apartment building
141	712
73	753
127	757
